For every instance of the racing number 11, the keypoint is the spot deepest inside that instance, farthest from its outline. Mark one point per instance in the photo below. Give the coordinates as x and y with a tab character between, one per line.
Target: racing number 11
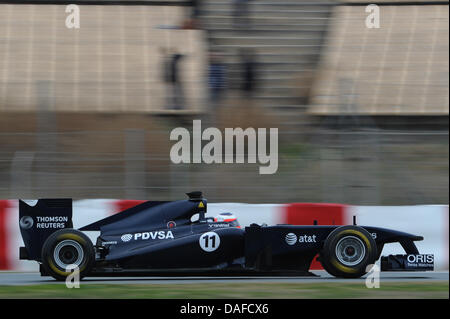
209	241
211	238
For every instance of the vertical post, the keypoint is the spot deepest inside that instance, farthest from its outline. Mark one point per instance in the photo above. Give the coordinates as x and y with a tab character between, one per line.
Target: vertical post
135	164
21	175
46	137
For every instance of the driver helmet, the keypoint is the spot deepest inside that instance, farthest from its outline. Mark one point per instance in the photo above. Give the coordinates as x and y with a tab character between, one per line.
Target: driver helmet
227	217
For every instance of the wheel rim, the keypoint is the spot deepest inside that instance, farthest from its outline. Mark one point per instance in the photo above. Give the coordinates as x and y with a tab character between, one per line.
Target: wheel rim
68	252
350	251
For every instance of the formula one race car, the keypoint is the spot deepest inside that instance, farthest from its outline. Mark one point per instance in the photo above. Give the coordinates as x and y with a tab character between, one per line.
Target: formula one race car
155	238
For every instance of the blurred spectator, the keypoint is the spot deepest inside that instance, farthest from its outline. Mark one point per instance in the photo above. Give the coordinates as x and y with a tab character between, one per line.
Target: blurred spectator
178	94
216	78
248	71
192	21
171	76
165	72
195	9
241	14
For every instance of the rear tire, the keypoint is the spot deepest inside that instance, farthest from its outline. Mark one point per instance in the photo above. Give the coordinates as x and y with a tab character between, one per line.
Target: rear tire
67	247
347	252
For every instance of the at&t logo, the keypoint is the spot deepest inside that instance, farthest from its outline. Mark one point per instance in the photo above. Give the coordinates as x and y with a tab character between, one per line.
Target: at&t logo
291	239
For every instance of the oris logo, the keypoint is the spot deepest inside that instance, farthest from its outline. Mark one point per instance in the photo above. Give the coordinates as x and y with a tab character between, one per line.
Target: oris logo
26	222
291	239
126	237
424	259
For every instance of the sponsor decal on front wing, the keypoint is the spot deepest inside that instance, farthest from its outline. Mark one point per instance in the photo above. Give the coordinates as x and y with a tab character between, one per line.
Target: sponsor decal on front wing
420	260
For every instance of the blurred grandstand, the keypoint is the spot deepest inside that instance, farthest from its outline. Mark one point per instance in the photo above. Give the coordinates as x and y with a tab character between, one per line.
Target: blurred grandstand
362	113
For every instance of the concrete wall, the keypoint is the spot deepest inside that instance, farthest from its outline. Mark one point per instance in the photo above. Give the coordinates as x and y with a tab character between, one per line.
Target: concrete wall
400	68
113	62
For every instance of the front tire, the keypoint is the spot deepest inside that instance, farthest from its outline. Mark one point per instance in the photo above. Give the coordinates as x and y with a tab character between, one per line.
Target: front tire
67	247
347	252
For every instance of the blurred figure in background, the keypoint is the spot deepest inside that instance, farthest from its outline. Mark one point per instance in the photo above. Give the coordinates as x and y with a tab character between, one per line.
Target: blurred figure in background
171	76
192	21
248	71
216	79
241	14
165	75
175	79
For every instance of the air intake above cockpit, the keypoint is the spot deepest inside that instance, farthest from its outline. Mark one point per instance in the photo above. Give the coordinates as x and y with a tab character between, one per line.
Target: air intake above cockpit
195	195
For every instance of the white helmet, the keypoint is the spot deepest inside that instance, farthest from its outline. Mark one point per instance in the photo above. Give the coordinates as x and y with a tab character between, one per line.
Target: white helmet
227	217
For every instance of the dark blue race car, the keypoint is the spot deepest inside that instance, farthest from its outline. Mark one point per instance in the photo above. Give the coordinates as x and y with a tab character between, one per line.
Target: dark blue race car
178	238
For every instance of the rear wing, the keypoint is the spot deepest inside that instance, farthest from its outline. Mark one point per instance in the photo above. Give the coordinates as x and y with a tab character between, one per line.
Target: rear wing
38	220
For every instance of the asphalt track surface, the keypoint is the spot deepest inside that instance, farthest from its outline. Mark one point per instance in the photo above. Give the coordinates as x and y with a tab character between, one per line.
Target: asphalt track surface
33	278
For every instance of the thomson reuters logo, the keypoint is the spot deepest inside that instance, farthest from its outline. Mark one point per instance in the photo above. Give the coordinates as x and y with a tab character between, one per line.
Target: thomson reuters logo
126	237
26	222
291	239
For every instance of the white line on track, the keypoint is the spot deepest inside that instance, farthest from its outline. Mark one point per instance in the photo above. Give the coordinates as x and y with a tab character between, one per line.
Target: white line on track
22	278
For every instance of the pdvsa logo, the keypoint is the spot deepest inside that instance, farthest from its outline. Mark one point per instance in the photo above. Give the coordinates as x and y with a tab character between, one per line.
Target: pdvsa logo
162	234
291	239
126	237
